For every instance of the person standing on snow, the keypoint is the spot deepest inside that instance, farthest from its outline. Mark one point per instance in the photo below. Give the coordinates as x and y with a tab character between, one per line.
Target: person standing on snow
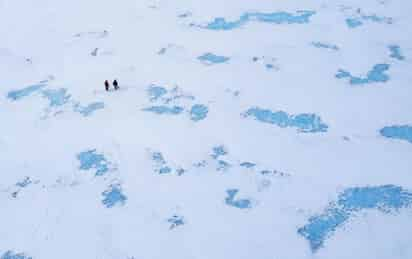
115	84
106	85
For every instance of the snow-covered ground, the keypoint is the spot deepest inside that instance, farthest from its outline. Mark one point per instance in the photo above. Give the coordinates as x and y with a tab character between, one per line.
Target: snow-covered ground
242	129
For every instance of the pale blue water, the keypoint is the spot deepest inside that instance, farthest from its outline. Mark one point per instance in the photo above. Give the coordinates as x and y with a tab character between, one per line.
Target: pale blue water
176	221
210	58
180	171
376	75
222	166
202	163
396	52
269	66
185	15
385	198
113	196
19	94
266	172
318	44
247	164
155	92
305	122
162	51
198	112
158	158
56	97
218	151
165	170
24	183
299	17
378	19
89	109
90	159
160	163
353	22
12	255
240	203
402	132
162	109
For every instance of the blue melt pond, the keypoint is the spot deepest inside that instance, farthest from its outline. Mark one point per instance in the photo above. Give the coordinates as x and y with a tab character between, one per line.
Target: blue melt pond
402	132
89	109
162	109
158	158
113	196
325	45
376	75
155	92
210	58
396	52
198	112
18	94
176	221
24	183
385	198
305	122
357	21
276	18
240	203
219	151
92	160
353	22
379	19
222	165
12	255
247	164
57	97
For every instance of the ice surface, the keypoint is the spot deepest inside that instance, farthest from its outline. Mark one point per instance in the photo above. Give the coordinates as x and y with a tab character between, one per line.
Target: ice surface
242	129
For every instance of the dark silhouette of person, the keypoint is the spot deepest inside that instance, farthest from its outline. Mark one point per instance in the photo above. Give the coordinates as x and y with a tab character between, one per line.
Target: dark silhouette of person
106	85
115	84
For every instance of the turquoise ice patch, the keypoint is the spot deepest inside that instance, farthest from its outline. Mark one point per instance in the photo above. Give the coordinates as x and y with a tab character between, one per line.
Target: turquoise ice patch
376	75
19	94
385	198
401	132
300	17
305	122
